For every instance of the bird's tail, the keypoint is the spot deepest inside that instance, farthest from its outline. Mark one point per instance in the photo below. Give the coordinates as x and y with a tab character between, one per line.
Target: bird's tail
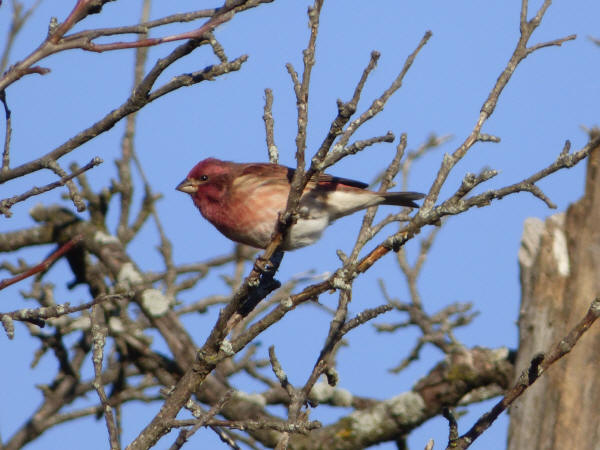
402	198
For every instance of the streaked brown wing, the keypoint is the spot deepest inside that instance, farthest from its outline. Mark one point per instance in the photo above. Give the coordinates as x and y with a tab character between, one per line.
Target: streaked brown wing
275	173
326	179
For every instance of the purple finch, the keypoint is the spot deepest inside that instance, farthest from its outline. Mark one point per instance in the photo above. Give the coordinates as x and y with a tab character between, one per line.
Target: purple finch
243	201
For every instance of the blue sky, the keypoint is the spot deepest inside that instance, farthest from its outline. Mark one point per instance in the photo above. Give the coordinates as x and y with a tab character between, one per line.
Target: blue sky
553	93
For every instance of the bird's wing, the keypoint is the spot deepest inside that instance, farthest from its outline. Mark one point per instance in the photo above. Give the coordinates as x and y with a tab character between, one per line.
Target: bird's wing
270	173
275	173
326	180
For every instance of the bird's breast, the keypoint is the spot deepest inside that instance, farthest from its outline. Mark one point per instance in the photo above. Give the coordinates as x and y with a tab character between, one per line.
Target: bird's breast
248	218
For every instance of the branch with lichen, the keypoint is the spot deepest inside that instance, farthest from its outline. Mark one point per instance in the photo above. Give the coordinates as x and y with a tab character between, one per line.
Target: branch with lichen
539	365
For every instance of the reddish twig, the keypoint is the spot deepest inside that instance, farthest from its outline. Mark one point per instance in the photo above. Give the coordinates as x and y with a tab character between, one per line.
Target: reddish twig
37	69
81	9
44	265
194	34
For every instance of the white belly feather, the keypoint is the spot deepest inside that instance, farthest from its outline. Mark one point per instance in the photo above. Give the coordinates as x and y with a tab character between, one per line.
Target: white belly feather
317	211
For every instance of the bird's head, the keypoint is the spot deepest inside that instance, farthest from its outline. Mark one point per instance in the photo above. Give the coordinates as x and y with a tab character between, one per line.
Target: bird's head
207	181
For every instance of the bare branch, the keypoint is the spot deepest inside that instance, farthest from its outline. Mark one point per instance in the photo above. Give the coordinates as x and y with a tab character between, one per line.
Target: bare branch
269	124
44	265
378	104
7	134
19	18
521	52
99	332
37	316
539	365
203	419
8	203
346	110
341	152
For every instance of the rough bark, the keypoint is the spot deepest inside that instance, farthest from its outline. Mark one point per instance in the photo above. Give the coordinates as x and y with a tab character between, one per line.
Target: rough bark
560	275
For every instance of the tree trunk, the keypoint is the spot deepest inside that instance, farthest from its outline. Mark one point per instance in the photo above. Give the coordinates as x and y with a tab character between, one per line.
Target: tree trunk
560	276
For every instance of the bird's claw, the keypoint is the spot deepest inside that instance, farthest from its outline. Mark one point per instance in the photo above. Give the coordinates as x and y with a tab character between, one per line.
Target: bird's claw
263	265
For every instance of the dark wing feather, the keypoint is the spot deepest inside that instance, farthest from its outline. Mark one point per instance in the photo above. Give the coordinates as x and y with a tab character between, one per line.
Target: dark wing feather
325	179
402	198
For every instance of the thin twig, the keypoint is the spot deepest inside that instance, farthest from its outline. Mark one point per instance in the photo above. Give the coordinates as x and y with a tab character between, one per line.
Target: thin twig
16	24
8	203
269	127
38	316
185	434
44	265
521	52
127	150
378	104
99	332
73	191
7	134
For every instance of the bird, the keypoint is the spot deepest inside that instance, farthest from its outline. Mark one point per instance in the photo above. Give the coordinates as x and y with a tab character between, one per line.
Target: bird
244	200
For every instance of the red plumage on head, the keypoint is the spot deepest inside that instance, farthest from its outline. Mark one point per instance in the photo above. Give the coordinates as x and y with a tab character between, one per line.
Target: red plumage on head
210	166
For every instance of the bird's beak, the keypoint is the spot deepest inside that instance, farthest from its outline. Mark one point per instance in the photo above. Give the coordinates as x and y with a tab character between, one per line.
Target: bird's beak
188	186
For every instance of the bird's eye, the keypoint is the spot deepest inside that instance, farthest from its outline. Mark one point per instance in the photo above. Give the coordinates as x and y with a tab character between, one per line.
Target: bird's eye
204	178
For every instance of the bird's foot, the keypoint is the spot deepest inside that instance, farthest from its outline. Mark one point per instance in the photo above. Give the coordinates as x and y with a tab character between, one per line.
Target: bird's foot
268	266
263	265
